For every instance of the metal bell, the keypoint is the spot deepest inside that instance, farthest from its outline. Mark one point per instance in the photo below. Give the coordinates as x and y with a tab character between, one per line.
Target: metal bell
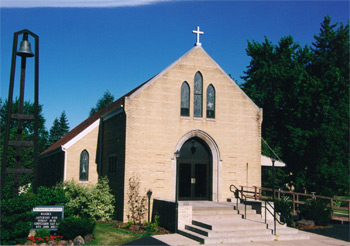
25	50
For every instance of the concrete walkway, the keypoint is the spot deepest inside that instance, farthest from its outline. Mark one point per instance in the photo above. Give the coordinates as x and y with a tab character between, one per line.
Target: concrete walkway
178	240
315	240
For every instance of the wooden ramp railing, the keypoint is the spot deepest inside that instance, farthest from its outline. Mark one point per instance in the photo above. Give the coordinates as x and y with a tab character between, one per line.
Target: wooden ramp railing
340	208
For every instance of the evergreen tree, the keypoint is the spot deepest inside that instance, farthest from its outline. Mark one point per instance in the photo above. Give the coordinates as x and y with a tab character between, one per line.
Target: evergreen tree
59	128
64	125
304	94
103	102
54	132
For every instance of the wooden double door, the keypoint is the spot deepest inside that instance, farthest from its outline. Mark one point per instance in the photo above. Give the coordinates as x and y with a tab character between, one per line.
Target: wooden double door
194	171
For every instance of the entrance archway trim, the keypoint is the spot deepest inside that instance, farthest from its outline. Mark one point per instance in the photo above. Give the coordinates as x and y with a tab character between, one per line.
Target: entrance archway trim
215	155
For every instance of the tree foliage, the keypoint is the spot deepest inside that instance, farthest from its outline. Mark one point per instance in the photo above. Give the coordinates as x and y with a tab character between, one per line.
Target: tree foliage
59	128
304	92
27	135
103	102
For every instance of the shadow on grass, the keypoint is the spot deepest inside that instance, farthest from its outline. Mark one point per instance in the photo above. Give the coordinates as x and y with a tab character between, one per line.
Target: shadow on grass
338	231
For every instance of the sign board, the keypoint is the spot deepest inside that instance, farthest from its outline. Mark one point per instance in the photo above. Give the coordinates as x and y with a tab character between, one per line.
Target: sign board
48	217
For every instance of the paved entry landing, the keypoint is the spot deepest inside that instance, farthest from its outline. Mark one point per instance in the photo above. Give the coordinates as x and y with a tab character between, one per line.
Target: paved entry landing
222	222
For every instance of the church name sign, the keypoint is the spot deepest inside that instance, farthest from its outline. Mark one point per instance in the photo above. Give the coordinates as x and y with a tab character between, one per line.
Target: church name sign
48	217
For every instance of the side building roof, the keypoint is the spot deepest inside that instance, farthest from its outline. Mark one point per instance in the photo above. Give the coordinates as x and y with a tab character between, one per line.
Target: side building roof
88	122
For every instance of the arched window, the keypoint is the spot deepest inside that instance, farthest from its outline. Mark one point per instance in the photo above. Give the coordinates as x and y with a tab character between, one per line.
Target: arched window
198	95
84	166
210	101
185	99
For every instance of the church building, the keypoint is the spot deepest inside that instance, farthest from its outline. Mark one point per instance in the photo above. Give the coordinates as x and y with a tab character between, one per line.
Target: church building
187	134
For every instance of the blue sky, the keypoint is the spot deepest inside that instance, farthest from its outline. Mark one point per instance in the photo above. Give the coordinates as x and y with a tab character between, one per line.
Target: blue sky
88	47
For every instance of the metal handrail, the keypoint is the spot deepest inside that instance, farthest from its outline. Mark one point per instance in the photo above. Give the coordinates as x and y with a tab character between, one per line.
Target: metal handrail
274	216
236	192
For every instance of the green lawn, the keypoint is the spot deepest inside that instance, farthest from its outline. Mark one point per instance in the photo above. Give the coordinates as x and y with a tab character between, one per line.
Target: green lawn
106	234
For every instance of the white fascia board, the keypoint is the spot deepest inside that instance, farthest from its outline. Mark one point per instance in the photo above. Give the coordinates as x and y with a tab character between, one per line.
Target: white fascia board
162	73
267	162
112	113
81	135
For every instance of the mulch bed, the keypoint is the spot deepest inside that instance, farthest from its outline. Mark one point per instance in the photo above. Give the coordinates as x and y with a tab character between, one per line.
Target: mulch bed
314	227
141	229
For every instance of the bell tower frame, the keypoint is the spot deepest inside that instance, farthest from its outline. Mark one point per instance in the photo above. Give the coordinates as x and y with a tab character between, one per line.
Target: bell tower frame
18	143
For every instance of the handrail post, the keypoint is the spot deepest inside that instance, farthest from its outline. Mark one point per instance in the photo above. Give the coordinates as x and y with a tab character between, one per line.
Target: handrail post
297	204
255	192
245	207
294	213
265	212
259	193
279	195
332	209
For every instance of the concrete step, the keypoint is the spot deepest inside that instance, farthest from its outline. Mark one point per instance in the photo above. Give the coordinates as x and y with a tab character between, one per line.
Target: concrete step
217	216
249	211
228	239
214	212
224	225
240	239
226	233
192	235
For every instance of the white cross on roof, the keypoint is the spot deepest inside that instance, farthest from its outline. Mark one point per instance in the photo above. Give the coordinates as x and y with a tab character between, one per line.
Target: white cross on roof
198	33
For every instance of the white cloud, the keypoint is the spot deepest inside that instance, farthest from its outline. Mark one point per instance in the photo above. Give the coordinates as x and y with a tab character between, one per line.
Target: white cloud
74	3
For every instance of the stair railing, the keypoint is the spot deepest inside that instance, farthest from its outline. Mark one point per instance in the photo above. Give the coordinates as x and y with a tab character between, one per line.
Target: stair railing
273	215
236	193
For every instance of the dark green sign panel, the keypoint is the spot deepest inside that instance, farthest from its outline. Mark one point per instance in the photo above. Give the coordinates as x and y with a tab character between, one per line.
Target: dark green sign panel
47	217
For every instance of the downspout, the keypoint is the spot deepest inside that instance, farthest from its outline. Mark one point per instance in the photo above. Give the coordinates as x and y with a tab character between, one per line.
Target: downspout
65	164
99	167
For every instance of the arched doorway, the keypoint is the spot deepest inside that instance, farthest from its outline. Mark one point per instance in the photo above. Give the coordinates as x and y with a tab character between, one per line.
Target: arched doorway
194	175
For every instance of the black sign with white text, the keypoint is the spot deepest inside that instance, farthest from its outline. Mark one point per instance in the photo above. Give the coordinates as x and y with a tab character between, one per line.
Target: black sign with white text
48	217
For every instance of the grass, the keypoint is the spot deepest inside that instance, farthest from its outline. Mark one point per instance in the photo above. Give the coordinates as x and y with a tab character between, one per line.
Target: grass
106	234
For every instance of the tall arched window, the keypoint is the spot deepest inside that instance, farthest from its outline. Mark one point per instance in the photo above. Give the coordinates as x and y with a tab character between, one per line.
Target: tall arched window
84	166
185	99
198	95
210	101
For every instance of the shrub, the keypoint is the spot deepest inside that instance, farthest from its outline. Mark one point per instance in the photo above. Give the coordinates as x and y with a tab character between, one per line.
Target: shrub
284	207
16	213
16	219
71	227
137	203
152	227
91	201
316	210
42	233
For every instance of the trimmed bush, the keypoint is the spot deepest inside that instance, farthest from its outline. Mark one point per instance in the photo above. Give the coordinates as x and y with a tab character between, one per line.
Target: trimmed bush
90	201
71	227
284	207
316	210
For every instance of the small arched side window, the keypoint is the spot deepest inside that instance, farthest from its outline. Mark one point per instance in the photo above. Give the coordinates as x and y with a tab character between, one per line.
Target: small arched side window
211	102
185	99
198	95
84	166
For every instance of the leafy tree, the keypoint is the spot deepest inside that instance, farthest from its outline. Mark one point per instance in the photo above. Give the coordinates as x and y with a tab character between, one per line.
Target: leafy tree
304	94
59	128
103	102
27	135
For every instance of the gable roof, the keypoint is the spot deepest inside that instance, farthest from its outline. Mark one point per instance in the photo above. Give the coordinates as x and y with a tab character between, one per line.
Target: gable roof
89	121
